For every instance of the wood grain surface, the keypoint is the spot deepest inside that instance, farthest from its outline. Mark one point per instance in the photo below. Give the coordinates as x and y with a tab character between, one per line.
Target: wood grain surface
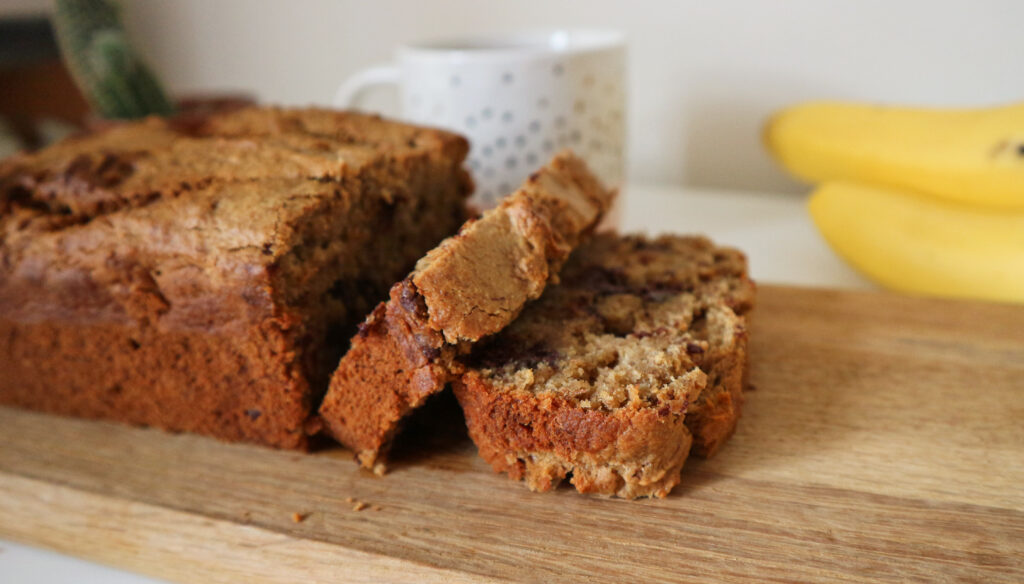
884	441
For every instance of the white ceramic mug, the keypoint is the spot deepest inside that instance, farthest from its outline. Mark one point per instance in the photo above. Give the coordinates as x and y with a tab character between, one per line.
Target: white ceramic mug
519	98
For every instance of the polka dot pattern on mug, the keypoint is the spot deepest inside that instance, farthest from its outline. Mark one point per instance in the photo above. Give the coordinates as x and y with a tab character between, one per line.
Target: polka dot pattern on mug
518	115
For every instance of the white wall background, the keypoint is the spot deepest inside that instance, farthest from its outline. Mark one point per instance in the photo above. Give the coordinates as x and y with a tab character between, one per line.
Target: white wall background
704	74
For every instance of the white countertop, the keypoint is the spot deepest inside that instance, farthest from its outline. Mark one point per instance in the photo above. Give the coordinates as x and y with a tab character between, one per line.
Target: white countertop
774	230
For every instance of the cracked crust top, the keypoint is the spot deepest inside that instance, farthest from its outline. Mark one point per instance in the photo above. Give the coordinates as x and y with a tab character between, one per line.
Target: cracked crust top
218	205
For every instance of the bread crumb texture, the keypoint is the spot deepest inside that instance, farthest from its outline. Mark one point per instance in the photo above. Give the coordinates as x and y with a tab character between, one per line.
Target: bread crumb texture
613	374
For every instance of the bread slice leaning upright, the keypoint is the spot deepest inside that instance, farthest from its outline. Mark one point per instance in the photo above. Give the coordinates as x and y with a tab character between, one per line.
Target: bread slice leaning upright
471	285
637	355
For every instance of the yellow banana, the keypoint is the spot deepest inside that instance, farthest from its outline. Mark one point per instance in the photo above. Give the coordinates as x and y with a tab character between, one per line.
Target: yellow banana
922	245
971	156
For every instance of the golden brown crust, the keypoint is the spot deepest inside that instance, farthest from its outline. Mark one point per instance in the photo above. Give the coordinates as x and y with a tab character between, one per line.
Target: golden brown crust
236	248
471	285
235	388
630	452
610	376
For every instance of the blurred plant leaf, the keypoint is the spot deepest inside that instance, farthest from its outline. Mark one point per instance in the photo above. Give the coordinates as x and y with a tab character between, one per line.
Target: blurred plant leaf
104	63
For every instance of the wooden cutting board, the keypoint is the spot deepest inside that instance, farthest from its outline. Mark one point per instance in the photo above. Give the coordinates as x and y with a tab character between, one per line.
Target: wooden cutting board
884	441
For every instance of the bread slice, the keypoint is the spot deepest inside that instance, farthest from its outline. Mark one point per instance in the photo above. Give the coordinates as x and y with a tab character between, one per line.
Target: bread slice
612	374
471	285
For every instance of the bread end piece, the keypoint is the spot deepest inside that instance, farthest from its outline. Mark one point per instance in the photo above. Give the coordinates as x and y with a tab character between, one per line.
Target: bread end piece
475	283
384	376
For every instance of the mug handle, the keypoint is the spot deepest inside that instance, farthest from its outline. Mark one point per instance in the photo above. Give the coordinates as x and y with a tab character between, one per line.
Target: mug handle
353	87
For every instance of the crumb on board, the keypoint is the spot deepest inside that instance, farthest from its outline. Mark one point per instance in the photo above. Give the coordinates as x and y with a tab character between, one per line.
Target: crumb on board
358	505
299	517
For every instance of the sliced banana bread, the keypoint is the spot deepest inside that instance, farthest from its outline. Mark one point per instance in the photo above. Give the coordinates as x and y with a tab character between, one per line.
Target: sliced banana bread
203	277
472	285
611	374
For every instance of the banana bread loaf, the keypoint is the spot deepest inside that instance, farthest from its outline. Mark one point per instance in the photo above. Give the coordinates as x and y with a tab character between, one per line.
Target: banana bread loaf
204	277
470	286
611	374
